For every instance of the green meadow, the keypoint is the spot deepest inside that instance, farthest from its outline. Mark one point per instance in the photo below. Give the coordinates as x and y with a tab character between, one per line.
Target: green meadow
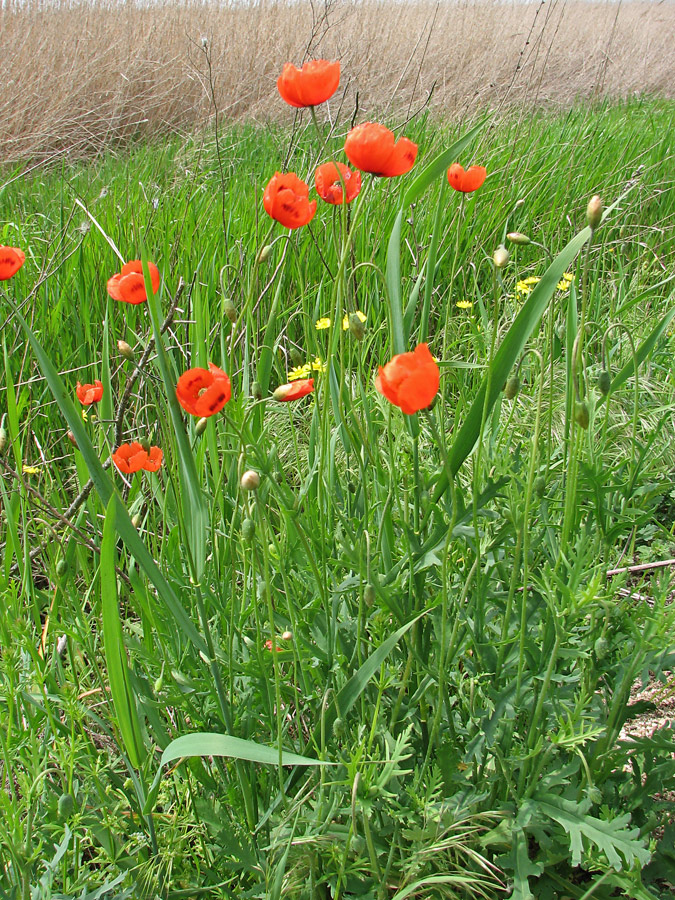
403	661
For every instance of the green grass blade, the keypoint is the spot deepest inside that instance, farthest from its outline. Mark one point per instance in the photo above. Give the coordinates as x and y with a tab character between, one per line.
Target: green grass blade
210	744
113	645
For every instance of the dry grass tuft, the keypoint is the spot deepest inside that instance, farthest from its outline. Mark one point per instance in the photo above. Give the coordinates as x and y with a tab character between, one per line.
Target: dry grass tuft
81	77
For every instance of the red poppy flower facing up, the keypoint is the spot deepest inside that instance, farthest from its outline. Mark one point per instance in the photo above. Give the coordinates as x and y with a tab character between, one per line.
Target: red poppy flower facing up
329	185
130	458
372	148
154	460
11	260
286	199
468	181
294	391
410	381
313	84
203	392
89	393
129	284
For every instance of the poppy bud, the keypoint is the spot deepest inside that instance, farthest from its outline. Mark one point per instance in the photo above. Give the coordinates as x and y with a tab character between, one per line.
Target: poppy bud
540	485
264	254
500	257
3	438
594	212
604	383
339	727
256	391
229	310
512	387
200	427
601	647
296	357
71	438
248	529
136	520
594	794
356	326
145	444
369	595
250	480
159	682
287	636
519	203
517	238
61	567
581	416
125	350
66	806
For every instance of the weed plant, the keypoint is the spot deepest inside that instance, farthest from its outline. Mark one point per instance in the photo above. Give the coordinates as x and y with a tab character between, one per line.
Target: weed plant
397	666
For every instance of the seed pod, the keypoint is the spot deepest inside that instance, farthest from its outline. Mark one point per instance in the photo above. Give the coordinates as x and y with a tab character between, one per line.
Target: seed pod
66	806
125	350
540	485
369	595
604	382
594	212
61	567
248	529
356	326
500	257
229	310
512	387
581	416
517	238
250	480
200	427
256	391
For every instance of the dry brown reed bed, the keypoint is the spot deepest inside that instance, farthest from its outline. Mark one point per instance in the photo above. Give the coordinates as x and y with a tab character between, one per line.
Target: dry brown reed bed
80	77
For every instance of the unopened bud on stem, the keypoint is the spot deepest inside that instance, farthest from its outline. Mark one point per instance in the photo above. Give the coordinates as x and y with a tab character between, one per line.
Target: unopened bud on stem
229	310
125	350
500	257
594	212
200	427
250	480
264	254
516	237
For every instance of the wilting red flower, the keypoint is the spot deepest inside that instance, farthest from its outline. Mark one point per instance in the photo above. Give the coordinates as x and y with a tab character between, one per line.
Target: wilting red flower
286	199
203	392
294	391
154	460
468	181
130	458
371	148
410	380
89	393
329	185
313	84
129	285
11	260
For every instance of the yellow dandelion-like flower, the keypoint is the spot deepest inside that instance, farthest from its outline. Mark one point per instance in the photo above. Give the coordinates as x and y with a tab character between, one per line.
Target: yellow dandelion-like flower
565	281
84	415
532	279
522	288
322	323
568	276
464	304
345	320
318	365
298	372
30	470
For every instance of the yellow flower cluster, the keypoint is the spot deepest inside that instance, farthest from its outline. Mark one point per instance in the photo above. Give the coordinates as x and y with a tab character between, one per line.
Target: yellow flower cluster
307	369
565	281
464	304
526	285
324	322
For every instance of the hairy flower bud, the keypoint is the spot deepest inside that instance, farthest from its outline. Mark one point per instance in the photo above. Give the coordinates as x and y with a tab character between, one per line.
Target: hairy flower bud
287	636
500	257
125	350
229	310
3	438
356	326
604	382
264	254
250	480
516	237
540	485
256	391
200	427
71	438
594	211
581	415
512	387
248	529
296	357
136	520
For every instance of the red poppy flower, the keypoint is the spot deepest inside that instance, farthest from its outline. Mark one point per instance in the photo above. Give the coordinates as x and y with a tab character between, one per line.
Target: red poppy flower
371	148
329	185
410	381
286	199
314	83
294	391
468	181
203	392
130	458
129	284
89	393
154	460
11	260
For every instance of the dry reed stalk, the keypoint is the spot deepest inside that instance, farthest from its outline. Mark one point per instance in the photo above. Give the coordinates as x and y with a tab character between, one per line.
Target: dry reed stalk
78	78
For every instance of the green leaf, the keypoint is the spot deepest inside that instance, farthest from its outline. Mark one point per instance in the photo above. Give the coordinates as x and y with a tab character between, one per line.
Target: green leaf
523	867
210	744
393	274
104	488
622	846
113	645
